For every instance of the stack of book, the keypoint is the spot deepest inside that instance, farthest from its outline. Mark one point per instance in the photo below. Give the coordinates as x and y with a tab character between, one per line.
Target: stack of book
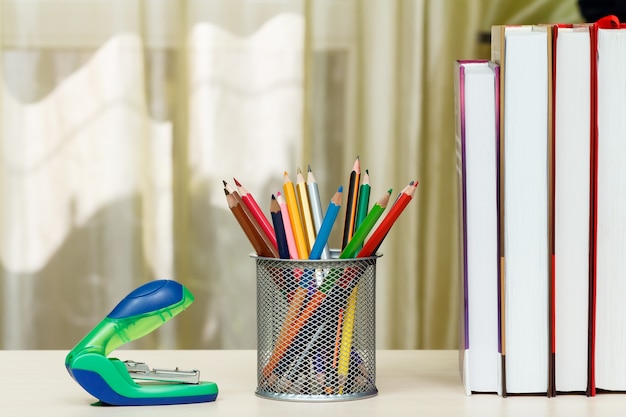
540	157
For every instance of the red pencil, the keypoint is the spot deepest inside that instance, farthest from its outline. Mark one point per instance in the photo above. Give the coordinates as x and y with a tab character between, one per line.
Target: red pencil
259	242
256	211
377	236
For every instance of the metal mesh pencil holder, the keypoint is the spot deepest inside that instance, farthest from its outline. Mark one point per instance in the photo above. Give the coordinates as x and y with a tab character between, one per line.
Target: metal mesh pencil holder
316	338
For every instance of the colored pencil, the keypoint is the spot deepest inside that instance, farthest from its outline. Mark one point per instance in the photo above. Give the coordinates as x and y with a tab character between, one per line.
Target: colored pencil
338	338
370	220
305	211
363	200
396	200
320	313
289	328
329	296
327	225
374	241
256	211
351	203
316	209
350	250
346	340
294	216
284	211
289	333
279	229
259	241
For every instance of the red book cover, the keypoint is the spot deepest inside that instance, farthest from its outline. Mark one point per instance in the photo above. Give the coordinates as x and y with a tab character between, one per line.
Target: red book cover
608	22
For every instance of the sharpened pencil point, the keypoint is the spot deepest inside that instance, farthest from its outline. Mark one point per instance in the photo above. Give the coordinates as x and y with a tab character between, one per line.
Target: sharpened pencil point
237	183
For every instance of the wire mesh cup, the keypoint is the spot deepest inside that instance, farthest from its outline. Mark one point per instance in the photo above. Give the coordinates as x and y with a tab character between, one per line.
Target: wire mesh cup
316	338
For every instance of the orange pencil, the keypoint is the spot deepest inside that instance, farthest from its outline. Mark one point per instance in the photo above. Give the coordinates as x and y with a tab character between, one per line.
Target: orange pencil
372	244
286	337
259	242
351	204
294	215
338	338
256	211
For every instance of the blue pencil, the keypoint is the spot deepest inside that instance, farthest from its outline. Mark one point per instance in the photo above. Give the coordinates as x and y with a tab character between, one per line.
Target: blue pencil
279	228
327	225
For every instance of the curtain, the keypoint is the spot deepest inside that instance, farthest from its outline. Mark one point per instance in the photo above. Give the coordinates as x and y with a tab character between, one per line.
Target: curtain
119	120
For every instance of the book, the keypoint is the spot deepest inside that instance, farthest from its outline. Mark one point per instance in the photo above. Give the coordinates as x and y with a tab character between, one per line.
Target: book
573	141
525	76
609	317
476	106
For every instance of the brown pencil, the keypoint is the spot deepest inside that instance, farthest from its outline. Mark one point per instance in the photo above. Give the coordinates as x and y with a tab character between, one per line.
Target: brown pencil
251	228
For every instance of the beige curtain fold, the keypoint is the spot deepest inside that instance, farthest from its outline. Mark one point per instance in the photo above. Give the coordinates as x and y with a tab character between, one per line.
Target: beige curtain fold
119	119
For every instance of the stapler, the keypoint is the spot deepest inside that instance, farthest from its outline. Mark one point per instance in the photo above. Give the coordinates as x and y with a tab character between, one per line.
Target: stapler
114	382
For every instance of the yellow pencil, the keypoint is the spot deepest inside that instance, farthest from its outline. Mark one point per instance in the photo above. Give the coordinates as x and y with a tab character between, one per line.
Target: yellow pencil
346	340
305	210
294	216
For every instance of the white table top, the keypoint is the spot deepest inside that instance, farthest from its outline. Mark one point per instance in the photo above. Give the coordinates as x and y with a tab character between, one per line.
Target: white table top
410	383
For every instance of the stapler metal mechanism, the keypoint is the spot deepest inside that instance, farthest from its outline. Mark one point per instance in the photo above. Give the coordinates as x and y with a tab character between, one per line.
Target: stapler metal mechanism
115	382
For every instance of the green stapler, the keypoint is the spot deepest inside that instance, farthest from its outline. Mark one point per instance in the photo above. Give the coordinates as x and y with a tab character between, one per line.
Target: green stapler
115	382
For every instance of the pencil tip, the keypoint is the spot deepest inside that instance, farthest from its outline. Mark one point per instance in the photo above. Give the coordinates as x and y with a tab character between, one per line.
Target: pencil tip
237	182
226	192
389	191
340	189
273	197
309	167
225	183
298	171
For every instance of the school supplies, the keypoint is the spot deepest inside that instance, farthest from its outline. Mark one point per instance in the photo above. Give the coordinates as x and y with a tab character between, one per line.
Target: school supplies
279	229
256	211
294	216
363	199
374	241
115	382
284	211
351	204
250	226
305	210
332	211
316	332
316	209
368	223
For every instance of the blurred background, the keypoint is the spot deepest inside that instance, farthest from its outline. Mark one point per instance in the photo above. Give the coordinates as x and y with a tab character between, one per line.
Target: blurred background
119	120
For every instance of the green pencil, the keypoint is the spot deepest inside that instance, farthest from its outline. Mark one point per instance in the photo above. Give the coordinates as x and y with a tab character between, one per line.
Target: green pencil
361	233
